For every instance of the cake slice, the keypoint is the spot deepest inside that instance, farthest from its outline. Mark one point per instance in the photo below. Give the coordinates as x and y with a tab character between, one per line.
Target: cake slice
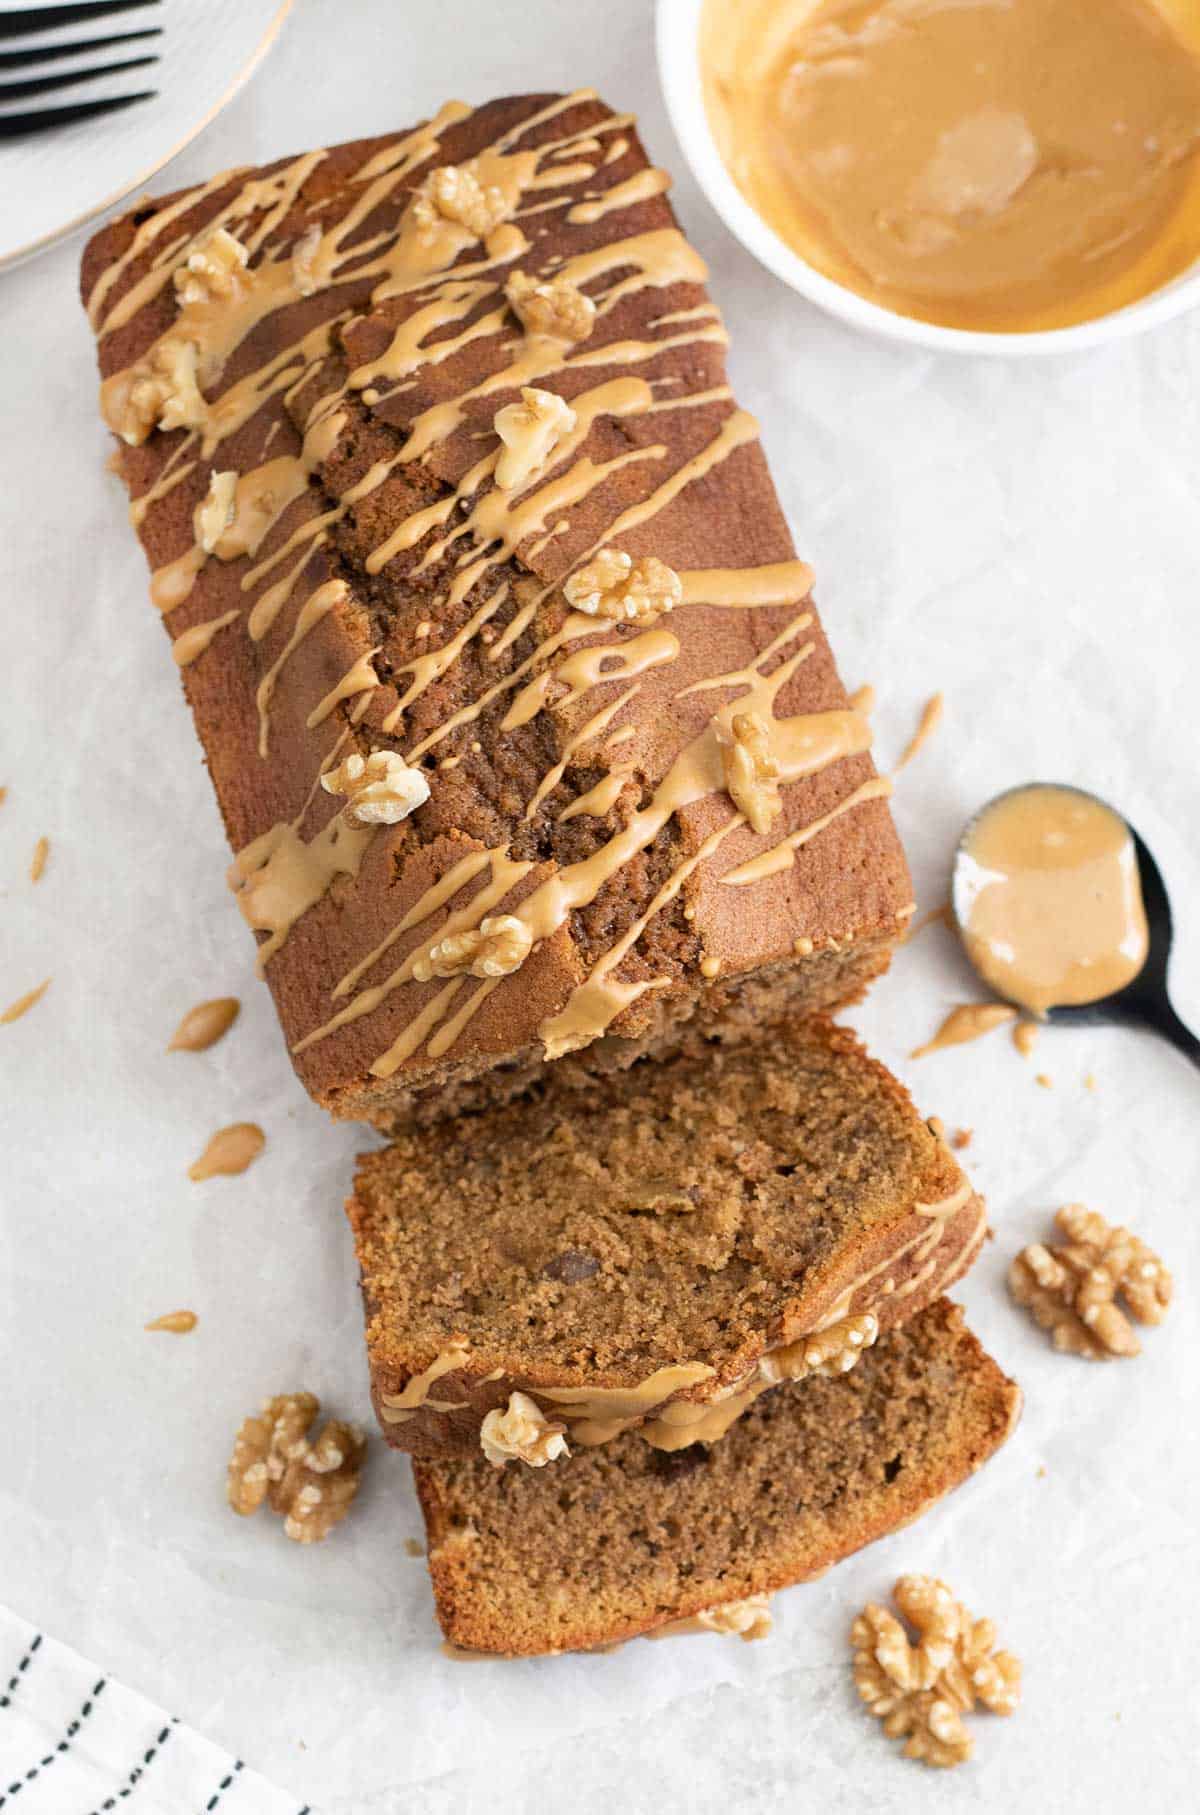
623	1539
652	1249
524	728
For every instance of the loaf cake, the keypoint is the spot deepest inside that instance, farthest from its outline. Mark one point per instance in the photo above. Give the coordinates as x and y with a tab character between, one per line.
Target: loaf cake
622	1539
524	729
652	1251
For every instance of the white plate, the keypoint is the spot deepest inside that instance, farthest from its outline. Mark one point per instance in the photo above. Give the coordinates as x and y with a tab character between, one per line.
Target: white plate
57	180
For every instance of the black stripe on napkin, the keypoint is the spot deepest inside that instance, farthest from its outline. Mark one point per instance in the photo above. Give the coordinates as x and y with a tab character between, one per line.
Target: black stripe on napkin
64	1745
138	1771
14	1681
224	1784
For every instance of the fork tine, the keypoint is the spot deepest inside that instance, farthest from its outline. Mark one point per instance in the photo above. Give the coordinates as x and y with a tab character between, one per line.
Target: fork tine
49	18
42	119
66	78
52	53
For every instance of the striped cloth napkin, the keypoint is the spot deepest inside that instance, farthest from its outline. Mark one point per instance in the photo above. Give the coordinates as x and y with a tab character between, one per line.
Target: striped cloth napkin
74	1742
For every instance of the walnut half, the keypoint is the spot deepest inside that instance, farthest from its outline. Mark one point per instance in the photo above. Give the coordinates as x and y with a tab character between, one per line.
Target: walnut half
552	307
614	585
521	1433
498	946
921	1692
311	1481
751	770
380	789
453	192
1072	1288
832	1351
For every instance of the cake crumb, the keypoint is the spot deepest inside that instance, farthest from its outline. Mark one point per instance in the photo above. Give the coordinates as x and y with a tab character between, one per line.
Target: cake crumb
1025	1035
37	866
412	1548
962	1138
1089	1083
23	1004
1045	1080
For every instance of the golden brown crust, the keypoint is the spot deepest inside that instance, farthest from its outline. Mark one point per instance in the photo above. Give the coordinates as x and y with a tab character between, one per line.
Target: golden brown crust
848	887
617	1542
453	1226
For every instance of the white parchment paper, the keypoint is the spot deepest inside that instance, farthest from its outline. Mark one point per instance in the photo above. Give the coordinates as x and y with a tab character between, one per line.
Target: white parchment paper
1023	537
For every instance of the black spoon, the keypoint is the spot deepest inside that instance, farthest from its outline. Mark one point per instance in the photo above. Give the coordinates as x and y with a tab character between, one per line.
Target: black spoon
1144	1002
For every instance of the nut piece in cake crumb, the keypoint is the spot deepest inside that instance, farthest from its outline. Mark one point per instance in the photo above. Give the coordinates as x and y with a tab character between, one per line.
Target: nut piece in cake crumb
1072	1288
749	1618
521	1433
530	431
922	1691
453	192
752	771
614	585
211	271
380	789
311	1481
498	946
552	308
827	1352
215	512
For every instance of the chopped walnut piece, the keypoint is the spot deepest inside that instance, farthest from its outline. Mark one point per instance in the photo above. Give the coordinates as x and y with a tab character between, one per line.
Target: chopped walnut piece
530	431
311	1481
1072	1288
553	308
831	1351
160	391
521	1433
215	512
749	1618
453	192
498	946
922	1691
614	585
210	272
381	789
751	771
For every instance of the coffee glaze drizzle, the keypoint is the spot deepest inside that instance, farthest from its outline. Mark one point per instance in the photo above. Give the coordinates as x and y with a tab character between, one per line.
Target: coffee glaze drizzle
454	280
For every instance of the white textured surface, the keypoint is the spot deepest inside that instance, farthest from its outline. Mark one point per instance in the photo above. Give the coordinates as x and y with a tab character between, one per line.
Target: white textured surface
1024	539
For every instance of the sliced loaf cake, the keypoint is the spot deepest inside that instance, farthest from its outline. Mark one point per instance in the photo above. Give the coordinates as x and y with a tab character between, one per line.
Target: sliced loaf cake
652	1250
621	1540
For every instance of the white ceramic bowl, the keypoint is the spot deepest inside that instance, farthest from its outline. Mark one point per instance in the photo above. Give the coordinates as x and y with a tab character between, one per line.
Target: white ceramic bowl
679	73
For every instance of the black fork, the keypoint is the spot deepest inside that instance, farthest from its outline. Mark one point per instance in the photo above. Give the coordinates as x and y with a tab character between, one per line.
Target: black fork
28	20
